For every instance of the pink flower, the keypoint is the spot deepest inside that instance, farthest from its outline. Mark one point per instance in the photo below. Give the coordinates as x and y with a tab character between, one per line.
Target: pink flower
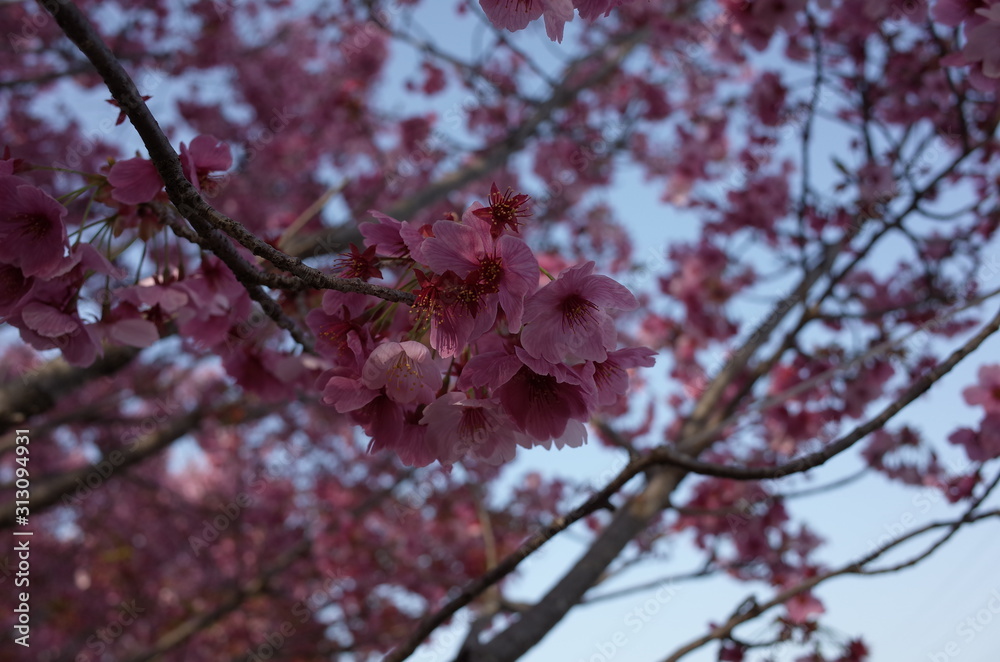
803	606
590	9
134	181
343	387
981	41
405	370
489	369
414	237
125	325
168	297
48	319
47	315
32	232
383	234
358	264
567	316
346	394
452	307
511	15
13	286
504	210
463	425
216	301
542	406
207	154
504	266
610	376
515	15
983	444
339	316
987	392
46	327
393	428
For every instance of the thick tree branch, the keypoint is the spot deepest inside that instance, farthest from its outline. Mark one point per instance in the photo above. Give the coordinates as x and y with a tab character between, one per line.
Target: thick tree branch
46	492
632	519
253	587
40	391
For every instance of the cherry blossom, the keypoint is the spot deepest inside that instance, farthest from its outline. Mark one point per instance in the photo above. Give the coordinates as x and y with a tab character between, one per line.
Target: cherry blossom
543	405
406	370
134	181
473	426
207	154
503	211
569	316
32	230
501	265
986	393
516	14
371	386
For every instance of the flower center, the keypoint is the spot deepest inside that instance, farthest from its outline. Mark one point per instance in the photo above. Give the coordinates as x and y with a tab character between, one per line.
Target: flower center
541	389
576	310
473	426
33	225
488	275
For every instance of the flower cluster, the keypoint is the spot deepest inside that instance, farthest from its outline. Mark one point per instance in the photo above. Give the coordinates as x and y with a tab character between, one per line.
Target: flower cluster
41	276
982	444
517	15
486	360
981	22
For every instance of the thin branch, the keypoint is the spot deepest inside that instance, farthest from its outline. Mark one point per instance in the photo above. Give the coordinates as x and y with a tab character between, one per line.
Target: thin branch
491	157
508	564
206	220
951	532
706	571
724	631
673	457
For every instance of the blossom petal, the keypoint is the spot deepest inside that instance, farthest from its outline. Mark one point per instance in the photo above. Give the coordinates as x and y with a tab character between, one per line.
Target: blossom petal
134	181
454	247
48	321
